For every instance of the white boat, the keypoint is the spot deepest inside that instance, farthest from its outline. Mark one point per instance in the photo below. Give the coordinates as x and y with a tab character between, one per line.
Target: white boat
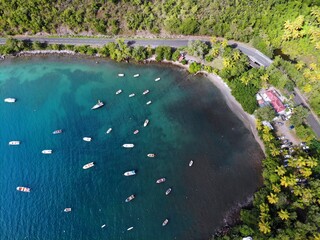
88	165
165	222
128	145
136	132
109	130
14	142
148	103
130	228
132	95
130	173
146	122
23	189
145	92
9	100
190	163
130	198
157	79
57	131
103	226
49	151
98	105
161	180
121	75
168	191
151	155
119	91
87	139
136	75
68	209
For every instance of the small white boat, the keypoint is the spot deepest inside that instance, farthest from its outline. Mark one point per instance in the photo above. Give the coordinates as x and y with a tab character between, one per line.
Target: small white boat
48	151
161	180
146	122
103	226
136	75
121	75
9	100
190	163
168	191
88	165
151	155
132	95
130	198
67	209
98	105
109	130
23	189
130	228
57	131
157	79
165	222
145	92
128	145
148	103
14	143
130	173
119	91
87	139
136	132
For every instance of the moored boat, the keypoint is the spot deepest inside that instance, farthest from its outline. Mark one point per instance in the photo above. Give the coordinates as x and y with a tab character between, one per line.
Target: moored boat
47	151
146	122
119	91
190	163
161	180
23	189
130	228
103	226
88	165
132	95
136	75
130	173
68	209
130	198
168	191
146	92
121	75
87	139
165	222
136	132
148	103
14	143
157	79
151	155
128	145
98	105
109	130
9	100
57	131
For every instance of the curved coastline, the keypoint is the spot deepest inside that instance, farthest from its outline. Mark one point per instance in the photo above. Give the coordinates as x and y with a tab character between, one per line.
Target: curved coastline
248	119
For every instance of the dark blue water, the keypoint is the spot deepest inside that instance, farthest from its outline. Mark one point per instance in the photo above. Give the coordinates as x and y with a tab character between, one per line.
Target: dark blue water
189	119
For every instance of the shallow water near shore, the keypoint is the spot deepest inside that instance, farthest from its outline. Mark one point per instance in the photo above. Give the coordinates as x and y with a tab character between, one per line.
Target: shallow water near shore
189	119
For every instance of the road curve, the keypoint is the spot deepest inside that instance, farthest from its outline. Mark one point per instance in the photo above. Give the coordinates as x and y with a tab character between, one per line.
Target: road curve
252	53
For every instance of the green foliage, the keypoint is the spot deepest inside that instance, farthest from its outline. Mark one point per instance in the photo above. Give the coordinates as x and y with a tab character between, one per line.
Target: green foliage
195	67
299	115
176	55
265	113
198	48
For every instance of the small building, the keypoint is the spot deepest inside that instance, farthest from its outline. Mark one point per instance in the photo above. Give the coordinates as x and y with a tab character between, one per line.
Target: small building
181	57
276	102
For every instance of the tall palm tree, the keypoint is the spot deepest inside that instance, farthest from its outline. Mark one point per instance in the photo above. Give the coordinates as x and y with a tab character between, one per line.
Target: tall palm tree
300	65
283	214
272	198
264	227
280	170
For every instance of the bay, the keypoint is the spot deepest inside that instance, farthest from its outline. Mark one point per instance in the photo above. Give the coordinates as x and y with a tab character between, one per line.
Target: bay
189	120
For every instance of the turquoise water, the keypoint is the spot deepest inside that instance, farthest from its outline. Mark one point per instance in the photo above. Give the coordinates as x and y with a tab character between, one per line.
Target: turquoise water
188	120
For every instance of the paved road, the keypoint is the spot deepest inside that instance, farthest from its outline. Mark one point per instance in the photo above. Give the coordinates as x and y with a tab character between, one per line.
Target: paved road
255	55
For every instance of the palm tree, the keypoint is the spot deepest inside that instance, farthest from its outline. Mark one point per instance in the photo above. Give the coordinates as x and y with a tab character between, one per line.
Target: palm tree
280	170
313	66
226	62
299	66
276	188
245	80
283	214
264	78
236	55
272	198
264	227
306	172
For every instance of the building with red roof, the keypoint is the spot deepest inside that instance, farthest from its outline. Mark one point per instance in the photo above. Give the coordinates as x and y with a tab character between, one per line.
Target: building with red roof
276	102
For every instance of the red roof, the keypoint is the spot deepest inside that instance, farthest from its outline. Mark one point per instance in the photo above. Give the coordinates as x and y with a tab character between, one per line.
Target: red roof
275	101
